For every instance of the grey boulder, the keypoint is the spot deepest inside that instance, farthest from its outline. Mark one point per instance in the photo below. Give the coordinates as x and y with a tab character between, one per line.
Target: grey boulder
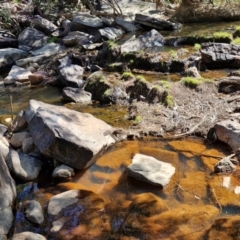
24	166
71	75
17	74
228	131
76	95
74	138
63	171
83	21
111	33
18	138
150	170
147	40
31	39
8	56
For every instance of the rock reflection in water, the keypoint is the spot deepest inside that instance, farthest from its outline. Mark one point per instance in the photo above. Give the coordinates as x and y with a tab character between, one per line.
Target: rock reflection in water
111	205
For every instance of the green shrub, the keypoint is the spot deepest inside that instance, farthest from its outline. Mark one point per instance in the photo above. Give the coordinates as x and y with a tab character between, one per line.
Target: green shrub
169	101
236	41
165	84
193	82
218	35
127	75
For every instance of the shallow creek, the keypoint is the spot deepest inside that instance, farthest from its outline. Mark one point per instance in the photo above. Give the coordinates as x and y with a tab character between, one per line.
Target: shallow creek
109	209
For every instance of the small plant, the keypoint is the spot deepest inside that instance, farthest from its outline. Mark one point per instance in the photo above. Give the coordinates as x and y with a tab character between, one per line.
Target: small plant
127	75
111	45
193	82
169	101
53	39
236	41
137	120
218	35
173	54
197	46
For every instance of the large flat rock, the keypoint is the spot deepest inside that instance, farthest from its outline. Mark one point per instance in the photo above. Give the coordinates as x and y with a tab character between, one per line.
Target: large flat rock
148	40
150	170
74	138
156	21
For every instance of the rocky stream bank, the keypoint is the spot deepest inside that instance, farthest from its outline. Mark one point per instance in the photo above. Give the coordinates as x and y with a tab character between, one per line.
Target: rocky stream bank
81	54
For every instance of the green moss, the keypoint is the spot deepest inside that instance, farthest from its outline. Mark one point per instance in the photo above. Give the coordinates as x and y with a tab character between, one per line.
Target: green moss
107	92
236	41
53	39
193	82
218	35
169	101
197	46
165	84
141	78
137	120
127	75
173	54
238	28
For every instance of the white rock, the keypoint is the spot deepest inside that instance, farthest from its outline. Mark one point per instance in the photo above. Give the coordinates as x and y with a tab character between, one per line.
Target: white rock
17	74
63	171
150	170
56	226
61	201
18	138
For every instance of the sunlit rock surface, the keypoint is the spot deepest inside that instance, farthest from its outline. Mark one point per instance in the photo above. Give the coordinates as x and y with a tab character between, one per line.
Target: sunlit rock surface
150	170
74	138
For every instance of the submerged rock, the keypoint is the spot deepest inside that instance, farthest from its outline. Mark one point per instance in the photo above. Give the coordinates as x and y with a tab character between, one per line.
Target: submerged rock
27	236
33	211
150	170
63	171
224	166
74	138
